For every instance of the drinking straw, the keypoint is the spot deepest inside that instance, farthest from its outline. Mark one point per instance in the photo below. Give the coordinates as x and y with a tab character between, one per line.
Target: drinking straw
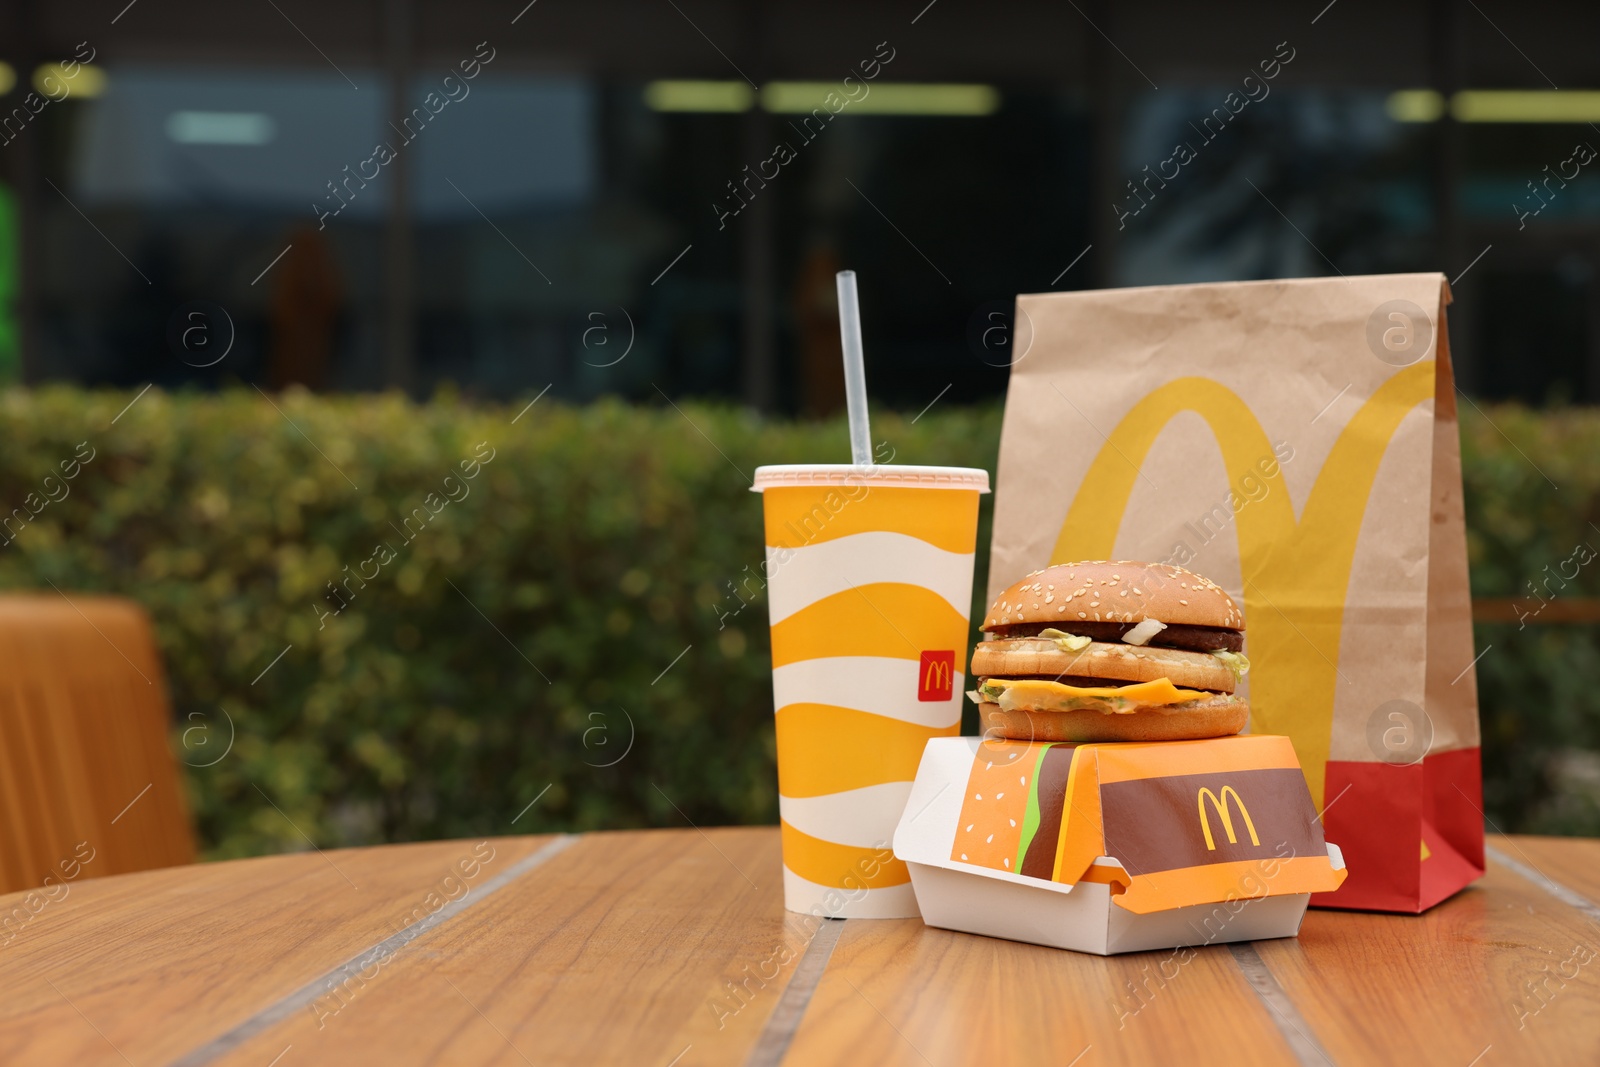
855	370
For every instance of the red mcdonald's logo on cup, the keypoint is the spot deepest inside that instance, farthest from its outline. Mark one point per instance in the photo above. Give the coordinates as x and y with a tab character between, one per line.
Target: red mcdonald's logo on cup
936	677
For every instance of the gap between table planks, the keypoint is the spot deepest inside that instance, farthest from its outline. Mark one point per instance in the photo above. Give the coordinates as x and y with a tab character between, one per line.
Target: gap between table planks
620	950
901	993
1451	985
144	967
1571	862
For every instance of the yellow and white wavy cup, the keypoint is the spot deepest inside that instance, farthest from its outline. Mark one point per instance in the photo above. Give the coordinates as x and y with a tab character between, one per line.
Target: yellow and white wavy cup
869	585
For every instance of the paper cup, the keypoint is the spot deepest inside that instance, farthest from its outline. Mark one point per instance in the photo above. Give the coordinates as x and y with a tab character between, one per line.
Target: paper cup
869	585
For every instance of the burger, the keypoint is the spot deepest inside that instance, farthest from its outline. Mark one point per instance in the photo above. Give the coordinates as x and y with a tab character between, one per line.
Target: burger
1111	651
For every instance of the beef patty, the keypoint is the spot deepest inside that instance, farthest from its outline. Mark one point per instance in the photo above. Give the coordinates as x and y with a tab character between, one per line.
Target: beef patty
1192	638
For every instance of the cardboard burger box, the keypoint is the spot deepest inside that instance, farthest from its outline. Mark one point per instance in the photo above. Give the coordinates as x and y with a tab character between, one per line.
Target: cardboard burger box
1109	848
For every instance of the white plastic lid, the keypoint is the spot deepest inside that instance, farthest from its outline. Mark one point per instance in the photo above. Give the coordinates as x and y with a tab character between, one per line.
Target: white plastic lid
898	475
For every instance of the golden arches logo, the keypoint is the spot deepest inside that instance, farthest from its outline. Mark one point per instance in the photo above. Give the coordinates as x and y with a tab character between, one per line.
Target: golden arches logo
1295	573
1220	806
938	675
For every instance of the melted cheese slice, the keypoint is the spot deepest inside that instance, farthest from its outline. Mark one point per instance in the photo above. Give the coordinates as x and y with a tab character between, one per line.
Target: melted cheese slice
1032	695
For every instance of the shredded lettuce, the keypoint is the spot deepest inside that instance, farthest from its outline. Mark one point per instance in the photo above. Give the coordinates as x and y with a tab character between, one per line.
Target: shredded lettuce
1236	662
1064	641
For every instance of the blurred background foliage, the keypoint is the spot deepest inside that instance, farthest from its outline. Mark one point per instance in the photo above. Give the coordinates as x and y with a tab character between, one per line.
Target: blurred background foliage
579	641
588	594
1533	518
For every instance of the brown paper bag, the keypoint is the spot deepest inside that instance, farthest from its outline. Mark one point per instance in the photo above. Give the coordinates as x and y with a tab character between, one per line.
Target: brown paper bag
1296	442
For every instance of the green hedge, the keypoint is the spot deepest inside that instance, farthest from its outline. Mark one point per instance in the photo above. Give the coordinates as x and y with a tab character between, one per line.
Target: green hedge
506	648
1533	498
534	626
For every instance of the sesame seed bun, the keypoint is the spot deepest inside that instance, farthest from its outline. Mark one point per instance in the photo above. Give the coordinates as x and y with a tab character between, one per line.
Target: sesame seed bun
1219	717
1034	656
1115	591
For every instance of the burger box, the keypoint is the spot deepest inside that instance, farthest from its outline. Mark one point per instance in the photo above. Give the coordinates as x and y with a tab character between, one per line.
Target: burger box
1121	847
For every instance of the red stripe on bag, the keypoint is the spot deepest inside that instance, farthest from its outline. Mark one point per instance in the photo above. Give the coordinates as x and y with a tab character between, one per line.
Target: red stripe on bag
1381	816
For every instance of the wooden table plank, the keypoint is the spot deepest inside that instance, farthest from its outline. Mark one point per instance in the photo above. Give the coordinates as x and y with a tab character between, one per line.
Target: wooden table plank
143	967
619	950
1570	861
898	992
1447	985
626	947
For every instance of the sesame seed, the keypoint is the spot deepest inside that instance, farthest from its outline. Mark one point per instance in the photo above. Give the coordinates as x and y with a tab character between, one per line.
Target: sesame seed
1082	615
977	796
990	841
999	796
970	826
963	855
1013	822
1062	608
1184	602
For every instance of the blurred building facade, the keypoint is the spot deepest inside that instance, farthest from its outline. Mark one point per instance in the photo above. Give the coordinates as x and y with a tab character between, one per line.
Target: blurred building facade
625	197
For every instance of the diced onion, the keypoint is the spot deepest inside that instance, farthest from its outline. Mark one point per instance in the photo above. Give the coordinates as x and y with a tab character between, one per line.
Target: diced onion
1143	632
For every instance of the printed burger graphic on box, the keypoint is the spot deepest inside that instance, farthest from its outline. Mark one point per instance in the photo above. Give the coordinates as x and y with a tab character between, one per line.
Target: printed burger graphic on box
1115	847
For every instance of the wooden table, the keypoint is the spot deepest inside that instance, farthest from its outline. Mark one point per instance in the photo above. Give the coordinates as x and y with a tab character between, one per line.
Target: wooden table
671	947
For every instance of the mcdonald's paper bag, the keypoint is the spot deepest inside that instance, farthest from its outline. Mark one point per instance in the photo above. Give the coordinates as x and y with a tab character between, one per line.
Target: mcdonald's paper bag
1296	442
